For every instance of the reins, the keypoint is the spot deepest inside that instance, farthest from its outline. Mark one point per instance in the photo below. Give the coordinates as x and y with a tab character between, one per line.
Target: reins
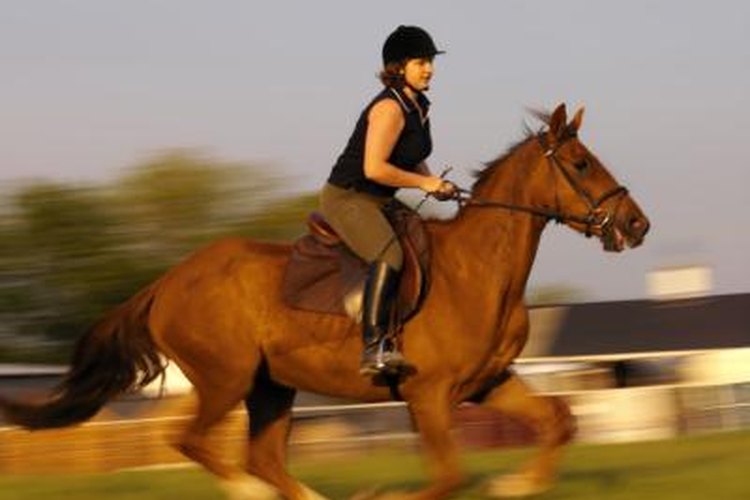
465	199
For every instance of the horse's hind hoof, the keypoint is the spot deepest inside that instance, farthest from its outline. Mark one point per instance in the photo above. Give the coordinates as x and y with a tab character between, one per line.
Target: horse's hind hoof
368	494
378	494
515	486
248	487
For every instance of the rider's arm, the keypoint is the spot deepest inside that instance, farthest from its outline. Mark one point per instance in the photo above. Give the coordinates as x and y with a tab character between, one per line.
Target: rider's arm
385	123
423	169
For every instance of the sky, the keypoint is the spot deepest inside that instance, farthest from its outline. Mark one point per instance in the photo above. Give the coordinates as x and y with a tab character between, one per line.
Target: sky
89	88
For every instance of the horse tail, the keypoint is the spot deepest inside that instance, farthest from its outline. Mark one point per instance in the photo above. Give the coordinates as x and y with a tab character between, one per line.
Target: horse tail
116	355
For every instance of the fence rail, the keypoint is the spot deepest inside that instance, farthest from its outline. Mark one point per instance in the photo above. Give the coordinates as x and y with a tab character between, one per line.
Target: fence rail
108	444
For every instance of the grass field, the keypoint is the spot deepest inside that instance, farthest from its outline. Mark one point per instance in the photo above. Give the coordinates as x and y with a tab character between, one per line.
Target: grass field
715	467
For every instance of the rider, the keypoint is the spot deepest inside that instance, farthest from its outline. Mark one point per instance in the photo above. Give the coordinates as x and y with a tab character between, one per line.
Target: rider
386	151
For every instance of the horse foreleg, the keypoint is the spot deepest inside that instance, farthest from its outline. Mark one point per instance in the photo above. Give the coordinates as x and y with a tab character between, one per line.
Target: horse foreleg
432	417
554	426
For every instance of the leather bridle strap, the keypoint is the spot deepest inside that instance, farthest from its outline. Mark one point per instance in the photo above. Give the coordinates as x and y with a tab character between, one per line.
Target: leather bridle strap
595	216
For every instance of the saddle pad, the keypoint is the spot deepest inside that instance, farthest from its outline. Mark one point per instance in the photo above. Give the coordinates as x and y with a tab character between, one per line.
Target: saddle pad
321	277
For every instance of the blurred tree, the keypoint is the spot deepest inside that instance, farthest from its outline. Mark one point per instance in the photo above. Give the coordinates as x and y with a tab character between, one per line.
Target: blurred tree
69	253
282	219
59	239
180	199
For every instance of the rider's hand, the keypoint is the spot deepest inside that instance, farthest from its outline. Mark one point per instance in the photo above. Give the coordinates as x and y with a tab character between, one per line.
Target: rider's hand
431	184
440	188
446	191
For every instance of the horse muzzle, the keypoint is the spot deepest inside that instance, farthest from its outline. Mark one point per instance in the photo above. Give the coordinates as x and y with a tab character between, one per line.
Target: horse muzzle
626	231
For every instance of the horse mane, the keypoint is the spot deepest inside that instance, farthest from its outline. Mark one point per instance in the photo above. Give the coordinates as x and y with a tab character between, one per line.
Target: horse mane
481	175
545	117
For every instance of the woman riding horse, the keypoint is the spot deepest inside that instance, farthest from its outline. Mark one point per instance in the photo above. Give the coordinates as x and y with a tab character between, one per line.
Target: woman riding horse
220	316
386	151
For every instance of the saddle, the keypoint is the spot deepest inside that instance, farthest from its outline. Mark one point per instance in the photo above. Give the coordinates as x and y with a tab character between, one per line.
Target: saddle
324	276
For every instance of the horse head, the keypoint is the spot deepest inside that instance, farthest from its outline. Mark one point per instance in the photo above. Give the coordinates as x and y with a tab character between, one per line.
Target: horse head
564	181
586	195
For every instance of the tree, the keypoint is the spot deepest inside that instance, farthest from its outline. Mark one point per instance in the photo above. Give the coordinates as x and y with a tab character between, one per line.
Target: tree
69	253
180	199
283	219
62	241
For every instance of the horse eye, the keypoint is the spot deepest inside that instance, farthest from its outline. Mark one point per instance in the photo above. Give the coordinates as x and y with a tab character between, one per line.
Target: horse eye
582	165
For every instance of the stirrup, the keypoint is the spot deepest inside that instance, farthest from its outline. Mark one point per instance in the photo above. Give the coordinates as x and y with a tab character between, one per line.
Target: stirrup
385	360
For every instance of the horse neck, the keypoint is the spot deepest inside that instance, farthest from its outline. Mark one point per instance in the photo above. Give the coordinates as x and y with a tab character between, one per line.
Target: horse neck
495	245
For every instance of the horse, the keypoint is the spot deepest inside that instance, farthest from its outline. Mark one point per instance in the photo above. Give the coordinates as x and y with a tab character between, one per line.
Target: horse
219	316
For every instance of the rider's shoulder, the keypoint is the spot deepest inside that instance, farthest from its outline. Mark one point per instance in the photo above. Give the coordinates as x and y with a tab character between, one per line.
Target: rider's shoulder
386	108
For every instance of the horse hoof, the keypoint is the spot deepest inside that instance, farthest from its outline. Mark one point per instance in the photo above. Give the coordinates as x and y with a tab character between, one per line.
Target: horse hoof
515	486
248	488
376	494
310	494
369	494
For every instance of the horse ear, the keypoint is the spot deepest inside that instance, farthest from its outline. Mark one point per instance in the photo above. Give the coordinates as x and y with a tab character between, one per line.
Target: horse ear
575	123
558	121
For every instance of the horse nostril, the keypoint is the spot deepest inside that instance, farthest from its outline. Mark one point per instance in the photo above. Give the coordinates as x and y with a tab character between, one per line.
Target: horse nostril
639	226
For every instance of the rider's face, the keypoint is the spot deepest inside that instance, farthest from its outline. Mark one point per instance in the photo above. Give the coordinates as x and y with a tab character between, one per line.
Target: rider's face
418	73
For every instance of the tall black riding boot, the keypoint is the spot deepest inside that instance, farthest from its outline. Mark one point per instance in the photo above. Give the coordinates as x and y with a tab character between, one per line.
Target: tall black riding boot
380	355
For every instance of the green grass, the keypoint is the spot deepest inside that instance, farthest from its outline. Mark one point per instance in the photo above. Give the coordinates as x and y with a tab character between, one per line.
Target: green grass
715	467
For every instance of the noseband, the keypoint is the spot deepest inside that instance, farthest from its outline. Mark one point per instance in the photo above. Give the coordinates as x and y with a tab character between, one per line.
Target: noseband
596	217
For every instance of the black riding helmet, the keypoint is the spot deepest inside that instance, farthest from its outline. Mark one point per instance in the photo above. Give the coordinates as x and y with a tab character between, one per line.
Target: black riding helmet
408	42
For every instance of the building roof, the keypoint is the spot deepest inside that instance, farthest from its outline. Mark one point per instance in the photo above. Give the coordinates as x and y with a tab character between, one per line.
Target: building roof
639	327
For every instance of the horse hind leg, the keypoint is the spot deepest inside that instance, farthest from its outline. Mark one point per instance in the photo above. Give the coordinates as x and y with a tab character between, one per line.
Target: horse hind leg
554	426
269	407
219	390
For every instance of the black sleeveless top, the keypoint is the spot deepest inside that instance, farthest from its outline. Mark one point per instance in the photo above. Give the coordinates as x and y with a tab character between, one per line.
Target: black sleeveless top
412	147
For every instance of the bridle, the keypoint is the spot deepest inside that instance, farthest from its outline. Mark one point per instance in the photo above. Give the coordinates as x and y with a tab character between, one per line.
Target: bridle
596	218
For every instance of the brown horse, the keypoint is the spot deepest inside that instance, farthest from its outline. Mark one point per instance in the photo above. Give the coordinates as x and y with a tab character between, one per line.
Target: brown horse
220	317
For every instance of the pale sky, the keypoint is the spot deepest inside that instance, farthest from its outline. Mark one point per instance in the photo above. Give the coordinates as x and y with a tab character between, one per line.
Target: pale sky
90	87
